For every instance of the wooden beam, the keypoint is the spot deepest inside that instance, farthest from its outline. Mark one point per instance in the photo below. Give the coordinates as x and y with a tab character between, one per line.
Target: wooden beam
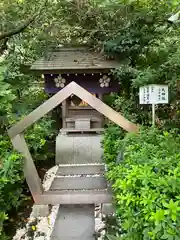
75	197
30	171
42	110
54	101
44	70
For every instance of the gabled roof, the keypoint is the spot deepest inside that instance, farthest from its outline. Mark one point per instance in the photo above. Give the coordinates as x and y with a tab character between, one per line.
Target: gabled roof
54	101
73	59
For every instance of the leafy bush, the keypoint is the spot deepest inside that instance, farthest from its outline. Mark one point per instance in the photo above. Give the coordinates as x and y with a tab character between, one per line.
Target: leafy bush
11	166
112	136
12	109
11	180
146	185
38	137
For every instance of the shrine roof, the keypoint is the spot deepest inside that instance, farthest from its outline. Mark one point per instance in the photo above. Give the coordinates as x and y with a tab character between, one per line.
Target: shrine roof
74	59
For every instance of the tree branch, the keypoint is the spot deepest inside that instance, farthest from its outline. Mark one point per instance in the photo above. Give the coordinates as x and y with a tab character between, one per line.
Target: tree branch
3	46
18	29
4	37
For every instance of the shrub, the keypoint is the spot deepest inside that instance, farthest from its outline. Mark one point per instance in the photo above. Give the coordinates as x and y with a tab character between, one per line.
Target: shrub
146	185
38	136
11	166
113	134
11	180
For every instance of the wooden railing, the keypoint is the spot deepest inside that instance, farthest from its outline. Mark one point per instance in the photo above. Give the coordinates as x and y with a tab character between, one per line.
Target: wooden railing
19	143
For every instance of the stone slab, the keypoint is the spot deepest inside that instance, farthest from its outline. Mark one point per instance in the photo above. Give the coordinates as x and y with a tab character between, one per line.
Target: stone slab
80	169
75	183
74	222
78	149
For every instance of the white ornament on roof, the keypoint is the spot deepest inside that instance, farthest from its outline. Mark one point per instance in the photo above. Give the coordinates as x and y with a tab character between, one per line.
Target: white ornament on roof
104	81
59	81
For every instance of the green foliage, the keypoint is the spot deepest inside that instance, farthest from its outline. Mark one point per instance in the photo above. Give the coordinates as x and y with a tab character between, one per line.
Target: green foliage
148	47
112	136
38	137
146	184
18	98
6	94
11	179
135	32
11	164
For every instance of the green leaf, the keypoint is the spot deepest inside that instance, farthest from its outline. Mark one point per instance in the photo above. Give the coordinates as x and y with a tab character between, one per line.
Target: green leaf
110	237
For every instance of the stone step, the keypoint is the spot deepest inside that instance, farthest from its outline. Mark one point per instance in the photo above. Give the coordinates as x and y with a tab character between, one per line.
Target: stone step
74	169
79	182
74	222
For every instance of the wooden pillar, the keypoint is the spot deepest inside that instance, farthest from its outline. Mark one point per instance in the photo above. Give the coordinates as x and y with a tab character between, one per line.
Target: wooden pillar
100	96
64	113
30	171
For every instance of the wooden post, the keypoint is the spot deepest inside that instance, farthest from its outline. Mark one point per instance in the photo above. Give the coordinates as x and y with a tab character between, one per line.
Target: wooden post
153	115
100	96
64	113
30	171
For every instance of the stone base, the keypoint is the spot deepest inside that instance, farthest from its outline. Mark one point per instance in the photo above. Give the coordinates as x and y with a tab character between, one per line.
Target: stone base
78	149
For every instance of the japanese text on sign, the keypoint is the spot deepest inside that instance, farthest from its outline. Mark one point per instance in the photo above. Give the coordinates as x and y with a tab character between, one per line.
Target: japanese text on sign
153	94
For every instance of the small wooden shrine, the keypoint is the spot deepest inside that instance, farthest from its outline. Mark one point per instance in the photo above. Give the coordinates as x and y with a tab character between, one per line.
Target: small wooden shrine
90	70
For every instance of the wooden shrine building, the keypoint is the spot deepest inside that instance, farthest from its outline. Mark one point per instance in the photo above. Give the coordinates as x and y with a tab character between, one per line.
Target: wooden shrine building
90	70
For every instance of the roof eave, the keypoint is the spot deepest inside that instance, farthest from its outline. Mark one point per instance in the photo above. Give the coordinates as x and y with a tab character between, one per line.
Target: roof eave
75	70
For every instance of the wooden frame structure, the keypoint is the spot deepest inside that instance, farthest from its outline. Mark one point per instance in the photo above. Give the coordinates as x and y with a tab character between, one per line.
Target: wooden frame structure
19	143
